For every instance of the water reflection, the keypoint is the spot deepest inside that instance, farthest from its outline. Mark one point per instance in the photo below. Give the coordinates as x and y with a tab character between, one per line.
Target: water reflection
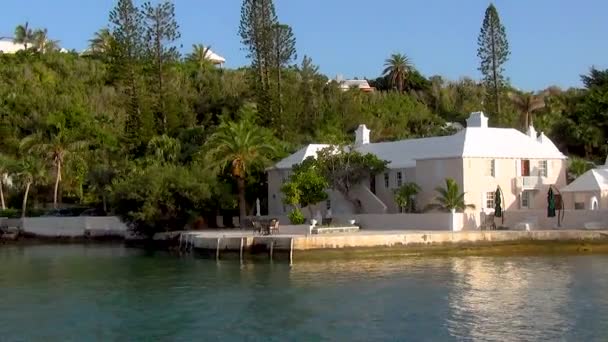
496	298
109	293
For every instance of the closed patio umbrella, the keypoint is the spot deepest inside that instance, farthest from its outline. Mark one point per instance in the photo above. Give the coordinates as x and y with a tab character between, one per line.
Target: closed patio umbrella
497	203
550	203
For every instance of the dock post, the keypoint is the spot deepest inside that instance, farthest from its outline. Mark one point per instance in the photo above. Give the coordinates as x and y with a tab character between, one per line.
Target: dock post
291	252
271	249
217	249
241	251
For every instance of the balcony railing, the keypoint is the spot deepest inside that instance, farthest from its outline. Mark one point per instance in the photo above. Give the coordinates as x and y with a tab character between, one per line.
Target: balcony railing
530	182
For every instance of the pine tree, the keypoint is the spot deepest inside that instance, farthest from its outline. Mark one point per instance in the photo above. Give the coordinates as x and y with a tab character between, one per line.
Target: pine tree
284	52
256	29
127	30
493	52
161	32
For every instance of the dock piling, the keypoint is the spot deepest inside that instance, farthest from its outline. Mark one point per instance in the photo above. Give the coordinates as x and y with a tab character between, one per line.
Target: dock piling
271	249
217	249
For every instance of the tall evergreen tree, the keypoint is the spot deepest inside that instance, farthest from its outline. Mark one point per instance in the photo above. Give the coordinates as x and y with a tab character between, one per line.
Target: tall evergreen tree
256	29
161	32
493	52
284	52
126	27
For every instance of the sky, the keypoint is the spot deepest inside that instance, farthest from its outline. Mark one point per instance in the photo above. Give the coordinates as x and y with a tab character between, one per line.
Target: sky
552	42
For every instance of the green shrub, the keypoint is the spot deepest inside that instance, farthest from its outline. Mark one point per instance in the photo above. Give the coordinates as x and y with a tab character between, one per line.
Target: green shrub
10	213
296	217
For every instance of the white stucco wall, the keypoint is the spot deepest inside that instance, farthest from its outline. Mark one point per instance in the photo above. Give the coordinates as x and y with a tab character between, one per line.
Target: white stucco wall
477	183
73	226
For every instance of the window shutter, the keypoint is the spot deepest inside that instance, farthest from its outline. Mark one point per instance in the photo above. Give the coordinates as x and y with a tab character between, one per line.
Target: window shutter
549	167
517	167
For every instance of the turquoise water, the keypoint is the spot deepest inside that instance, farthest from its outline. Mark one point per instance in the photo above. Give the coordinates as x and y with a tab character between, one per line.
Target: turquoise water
109	293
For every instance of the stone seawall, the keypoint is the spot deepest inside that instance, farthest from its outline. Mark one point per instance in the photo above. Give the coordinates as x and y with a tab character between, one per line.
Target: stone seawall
433	238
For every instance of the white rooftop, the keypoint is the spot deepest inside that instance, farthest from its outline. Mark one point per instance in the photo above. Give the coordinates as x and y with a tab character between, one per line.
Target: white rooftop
298	157
476	141
592	180
215	58
7	46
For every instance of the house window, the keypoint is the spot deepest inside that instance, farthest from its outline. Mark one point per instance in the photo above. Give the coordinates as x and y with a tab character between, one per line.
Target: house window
386	179
526	200
490	199
328	204
579	205
525	168
542	168
399	179
491	168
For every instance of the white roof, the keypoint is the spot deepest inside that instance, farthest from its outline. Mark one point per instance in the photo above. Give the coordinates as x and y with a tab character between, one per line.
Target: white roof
472	142
298	157
7	46
361	84
215	58
592	180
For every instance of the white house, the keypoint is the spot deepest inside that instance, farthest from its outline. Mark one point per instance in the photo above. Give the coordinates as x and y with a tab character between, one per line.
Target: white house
589	191
479	158
8	46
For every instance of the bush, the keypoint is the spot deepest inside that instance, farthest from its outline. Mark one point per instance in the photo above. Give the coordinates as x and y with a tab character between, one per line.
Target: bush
16	213
161	197
296	217
10	213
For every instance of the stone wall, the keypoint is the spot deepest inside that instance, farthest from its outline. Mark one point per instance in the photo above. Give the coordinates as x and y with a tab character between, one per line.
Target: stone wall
70	227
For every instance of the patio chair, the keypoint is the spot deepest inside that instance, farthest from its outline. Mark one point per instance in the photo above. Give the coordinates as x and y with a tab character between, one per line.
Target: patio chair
490	223
273	227
257	227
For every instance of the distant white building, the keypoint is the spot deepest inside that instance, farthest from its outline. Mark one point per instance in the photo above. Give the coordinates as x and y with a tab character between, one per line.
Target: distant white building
345	85
215	58
8	46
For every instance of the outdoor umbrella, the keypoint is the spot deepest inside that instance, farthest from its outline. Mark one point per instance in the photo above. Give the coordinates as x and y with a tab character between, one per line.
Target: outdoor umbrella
551	203
497	207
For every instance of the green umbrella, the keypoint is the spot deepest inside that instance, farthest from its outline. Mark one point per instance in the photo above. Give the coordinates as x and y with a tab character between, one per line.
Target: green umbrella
551	203
497	208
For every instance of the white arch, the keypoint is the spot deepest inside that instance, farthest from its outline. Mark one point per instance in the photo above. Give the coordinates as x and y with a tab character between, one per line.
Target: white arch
593	203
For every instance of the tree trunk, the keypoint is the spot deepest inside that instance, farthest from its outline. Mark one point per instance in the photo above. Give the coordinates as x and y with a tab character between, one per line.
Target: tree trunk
2	195
27	192
242	203
105	205
57	180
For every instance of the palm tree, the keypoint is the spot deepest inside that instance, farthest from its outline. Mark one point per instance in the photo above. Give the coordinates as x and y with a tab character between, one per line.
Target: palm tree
56	145
31	171
23	35
577	166
102	42
5	164
240	147
397	68
404	196
164	149
527	104
450	198
42	43
200	55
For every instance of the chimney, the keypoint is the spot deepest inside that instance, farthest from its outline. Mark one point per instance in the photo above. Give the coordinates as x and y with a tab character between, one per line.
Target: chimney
532	132
477	119
361	136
